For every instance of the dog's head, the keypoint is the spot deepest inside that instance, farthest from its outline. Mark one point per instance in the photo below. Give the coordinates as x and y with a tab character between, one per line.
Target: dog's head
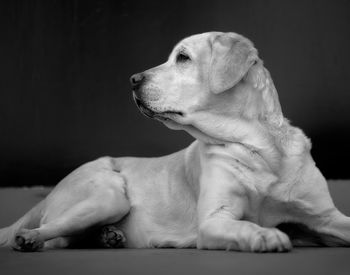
209	80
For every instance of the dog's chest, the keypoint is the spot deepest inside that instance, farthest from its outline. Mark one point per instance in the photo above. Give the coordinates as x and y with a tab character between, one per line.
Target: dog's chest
268	199
240	170
268	211
272	201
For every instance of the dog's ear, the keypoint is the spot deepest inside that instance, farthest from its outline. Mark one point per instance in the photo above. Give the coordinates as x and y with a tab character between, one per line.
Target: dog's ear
260	79
232	56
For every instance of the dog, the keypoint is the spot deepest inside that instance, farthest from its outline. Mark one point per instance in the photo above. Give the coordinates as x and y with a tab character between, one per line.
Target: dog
247	182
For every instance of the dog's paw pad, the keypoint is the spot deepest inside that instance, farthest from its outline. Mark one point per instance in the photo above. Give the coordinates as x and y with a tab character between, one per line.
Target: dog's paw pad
111	237
27	242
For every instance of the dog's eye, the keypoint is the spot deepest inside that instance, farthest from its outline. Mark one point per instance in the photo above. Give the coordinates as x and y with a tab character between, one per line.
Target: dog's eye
182	57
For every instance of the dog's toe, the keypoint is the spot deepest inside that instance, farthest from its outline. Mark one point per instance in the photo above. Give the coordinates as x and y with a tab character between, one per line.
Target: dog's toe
271	240
112	237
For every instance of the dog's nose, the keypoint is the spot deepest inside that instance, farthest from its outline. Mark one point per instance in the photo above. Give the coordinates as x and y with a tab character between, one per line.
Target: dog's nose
137	79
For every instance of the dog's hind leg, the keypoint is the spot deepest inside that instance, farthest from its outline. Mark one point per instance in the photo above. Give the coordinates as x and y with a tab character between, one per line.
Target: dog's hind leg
97	197
99	210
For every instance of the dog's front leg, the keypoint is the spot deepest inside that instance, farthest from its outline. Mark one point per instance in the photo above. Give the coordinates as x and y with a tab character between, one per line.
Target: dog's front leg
229	234
222	204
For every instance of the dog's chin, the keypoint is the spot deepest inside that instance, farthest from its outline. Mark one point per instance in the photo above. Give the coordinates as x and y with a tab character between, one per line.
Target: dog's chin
159	115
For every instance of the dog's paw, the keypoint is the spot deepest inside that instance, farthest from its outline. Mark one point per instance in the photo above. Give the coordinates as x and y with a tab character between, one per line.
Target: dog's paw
111	237
270	240
28	241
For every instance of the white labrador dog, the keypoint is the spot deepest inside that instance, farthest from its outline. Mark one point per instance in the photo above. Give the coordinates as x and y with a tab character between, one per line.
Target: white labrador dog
248	172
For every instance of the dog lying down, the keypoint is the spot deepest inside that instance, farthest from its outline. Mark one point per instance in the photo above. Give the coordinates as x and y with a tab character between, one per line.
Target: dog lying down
247	183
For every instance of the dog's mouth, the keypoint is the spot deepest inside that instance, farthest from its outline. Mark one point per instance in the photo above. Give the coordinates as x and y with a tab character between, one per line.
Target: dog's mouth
164	115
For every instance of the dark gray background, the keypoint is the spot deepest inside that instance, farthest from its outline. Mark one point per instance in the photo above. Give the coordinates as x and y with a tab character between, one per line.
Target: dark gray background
64	67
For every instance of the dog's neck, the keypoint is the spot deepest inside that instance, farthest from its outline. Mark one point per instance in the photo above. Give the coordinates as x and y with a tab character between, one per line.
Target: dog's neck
255	136
259	124
273	144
